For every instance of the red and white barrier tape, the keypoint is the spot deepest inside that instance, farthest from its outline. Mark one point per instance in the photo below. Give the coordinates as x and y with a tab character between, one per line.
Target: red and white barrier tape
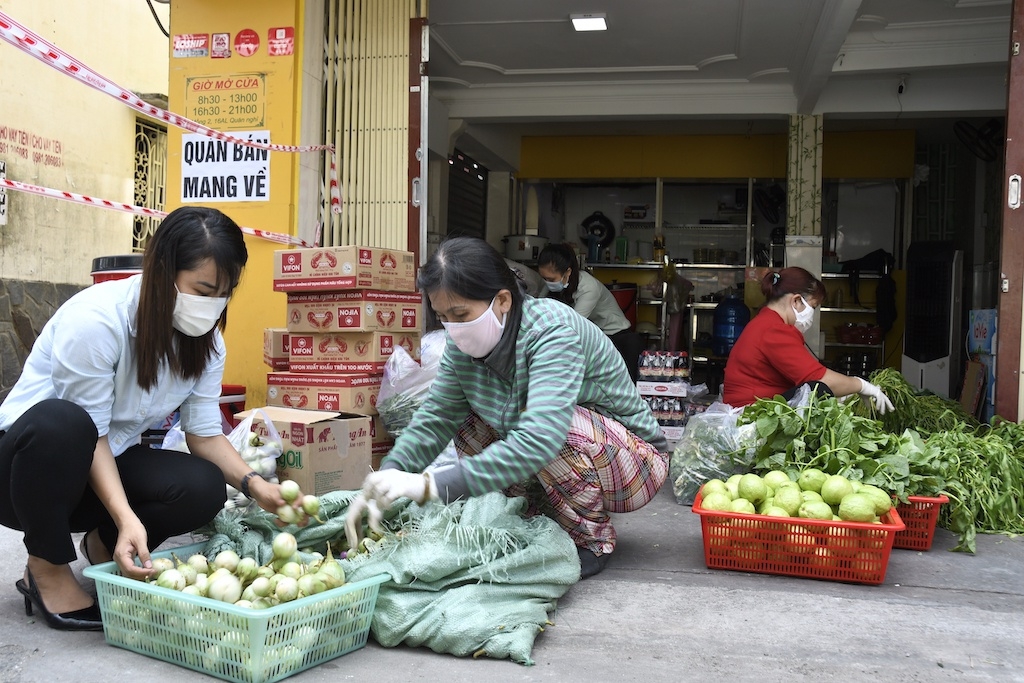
38	47
136	210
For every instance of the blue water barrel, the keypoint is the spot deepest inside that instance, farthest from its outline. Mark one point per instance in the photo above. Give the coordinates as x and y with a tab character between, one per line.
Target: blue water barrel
731	316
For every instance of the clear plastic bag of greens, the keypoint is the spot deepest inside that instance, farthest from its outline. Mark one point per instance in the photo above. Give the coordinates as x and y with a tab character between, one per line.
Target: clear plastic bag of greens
712	447
406	382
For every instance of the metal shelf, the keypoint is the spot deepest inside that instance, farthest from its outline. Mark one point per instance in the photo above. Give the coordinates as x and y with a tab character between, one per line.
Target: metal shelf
649	265
710	266
843	276
833	309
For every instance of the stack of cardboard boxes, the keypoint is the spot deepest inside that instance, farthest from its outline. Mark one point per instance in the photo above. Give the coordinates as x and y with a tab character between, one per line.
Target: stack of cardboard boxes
348	308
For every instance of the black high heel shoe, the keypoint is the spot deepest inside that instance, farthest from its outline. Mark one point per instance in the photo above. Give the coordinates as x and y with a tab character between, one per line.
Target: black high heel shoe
86	619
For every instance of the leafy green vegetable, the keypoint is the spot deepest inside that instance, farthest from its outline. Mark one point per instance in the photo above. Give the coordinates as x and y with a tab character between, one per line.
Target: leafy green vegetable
830	436
924	412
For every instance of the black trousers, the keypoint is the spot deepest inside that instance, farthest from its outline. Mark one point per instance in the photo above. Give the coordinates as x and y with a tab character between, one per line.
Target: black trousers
630	345
45	459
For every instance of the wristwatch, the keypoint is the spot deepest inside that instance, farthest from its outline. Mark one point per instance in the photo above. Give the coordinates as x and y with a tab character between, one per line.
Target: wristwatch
244	486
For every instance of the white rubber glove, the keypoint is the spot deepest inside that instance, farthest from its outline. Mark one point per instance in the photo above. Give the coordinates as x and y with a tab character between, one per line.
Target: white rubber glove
380	490
874	392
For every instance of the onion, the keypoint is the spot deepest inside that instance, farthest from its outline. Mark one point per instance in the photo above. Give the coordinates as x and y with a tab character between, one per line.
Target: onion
192	590
226	588
199	563
288	514
333	569
287	589
243	603
202	580
260	586
292	569
189	572
162	564
311	504
246	569
262	603
226	559
310	584
284	545
289	491
171	578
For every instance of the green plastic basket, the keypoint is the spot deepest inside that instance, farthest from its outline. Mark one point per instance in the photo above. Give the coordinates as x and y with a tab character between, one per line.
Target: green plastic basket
232	643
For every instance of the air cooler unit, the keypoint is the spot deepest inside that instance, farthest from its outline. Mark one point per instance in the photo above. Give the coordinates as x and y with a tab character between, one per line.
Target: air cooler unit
931	341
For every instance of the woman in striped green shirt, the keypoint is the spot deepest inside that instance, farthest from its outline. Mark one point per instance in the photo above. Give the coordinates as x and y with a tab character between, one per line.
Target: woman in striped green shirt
530	392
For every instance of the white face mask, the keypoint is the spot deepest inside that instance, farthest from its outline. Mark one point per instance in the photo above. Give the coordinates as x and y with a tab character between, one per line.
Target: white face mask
196	315
556	286
804	318
477	338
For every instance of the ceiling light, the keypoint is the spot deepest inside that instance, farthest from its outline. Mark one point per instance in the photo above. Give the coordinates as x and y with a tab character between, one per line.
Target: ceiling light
588	22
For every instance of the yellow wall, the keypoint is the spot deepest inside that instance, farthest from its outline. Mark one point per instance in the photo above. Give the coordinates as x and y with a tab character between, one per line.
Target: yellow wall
858	154
255	305
86	139
665	156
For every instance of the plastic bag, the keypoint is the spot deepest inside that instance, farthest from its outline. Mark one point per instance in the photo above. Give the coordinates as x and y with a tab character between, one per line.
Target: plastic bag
259	451
406	382
712	447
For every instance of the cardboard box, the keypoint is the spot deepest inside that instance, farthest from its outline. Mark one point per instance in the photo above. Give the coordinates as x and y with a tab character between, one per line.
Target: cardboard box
983	327
275	347
333	268
323	451
662	388
362	352
348	393
356	311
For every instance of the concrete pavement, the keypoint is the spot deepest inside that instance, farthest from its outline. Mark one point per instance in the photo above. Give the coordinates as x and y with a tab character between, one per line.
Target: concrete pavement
658	614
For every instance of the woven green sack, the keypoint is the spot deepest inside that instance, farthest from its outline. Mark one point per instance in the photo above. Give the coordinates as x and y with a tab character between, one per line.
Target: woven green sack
470	578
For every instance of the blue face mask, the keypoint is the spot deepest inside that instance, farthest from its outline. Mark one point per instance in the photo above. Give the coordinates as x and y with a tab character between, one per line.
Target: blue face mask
556	286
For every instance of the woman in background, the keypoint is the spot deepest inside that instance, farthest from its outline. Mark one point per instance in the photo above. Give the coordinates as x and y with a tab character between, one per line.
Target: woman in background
589	297
770	357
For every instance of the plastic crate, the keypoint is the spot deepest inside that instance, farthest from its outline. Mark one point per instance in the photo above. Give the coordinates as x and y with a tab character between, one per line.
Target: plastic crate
232	643
851	552
920	515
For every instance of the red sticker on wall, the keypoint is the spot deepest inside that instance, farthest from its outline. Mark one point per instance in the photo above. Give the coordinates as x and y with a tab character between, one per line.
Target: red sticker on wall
247	42
220	46
281	41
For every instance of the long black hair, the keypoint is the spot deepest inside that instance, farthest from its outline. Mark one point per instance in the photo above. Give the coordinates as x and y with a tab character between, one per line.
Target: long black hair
470	268
561	257
186	238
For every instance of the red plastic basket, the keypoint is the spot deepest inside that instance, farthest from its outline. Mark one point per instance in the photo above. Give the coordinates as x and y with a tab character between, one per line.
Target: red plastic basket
920	515
851	552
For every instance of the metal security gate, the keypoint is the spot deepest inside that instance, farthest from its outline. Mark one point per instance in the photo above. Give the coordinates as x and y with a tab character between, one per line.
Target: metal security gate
368	45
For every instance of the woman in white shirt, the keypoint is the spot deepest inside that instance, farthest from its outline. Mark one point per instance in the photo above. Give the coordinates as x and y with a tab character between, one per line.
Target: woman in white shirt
115	358
557	264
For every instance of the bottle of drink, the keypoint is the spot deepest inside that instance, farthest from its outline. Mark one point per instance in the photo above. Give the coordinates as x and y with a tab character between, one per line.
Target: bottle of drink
659	248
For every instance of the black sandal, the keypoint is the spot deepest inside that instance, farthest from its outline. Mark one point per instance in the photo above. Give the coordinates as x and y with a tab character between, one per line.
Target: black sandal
86	619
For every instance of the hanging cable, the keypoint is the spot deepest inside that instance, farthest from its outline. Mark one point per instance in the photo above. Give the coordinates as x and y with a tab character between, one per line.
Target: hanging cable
157	19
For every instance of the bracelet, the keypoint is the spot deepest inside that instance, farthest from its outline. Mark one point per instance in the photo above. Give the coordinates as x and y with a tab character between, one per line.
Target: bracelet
426	488
244	486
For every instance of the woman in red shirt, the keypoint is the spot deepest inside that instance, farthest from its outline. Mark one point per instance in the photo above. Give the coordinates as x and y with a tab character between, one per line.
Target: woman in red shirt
770	357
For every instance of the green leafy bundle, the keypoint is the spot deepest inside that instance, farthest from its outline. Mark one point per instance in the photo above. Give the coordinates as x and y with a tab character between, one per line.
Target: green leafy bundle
924	412
831	436
984	468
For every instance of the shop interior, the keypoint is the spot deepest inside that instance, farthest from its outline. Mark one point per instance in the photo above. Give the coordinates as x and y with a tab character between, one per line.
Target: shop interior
719	232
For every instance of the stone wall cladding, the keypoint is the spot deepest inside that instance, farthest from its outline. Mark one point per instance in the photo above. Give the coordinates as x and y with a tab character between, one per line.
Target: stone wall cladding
25	306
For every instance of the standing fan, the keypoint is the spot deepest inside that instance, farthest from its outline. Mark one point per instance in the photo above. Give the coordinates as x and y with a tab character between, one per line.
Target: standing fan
984	142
